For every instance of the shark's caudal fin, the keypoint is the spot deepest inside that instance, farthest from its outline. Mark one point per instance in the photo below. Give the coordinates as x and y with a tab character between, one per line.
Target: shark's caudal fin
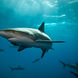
41	28
64	65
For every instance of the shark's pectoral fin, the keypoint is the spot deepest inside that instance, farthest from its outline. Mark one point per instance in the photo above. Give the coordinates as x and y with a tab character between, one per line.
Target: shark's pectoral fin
21	48
58	41
49	41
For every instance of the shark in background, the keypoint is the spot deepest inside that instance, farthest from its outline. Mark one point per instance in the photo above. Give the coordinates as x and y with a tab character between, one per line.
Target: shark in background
74	73
29	37
72	66
16	68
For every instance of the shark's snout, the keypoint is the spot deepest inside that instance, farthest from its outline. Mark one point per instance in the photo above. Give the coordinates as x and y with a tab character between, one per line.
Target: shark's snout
4	34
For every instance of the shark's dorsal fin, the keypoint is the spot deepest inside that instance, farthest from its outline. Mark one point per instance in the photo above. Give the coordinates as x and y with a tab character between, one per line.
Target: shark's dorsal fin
41	28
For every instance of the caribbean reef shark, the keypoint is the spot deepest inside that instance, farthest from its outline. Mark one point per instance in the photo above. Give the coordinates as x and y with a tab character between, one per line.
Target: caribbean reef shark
72	66
75	74
16	68
29	37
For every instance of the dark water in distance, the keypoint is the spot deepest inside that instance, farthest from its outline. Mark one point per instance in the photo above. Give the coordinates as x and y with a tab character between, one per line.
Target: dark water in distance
61	23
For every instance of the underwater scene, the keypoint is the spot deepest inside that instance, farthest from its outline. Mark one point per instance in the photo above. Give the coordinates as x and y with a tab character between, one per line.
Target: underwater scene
38	38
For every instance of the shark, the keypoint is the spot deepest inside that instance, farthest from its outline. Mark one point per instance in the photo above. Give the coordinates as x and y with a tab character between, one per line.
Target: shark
74	73
29	37
16	68
72	66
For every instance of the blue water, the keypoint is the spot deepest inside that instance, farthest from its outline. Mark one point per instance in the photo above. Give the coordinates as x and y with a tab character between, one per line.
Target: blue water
60	17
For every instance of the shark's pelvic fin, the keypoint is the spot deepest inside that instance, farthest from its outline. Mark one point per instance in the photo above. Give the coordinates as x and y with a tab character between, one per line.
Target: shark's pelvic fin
41	28
21	48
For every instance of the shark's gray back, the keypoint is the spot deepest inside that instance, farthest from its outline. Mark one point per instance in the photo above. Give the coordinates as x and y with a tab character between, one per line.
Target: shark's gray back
35	34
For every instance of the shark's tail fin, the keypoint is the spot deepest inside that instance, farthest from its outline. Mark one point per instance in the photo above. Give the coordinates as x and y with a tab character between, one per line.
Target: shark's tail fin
64	65
12	69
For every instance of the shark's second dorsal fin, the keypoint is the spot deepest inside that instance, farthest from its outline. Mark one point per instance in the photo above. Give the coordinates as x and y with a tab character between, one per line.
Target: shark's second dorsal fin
41	28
